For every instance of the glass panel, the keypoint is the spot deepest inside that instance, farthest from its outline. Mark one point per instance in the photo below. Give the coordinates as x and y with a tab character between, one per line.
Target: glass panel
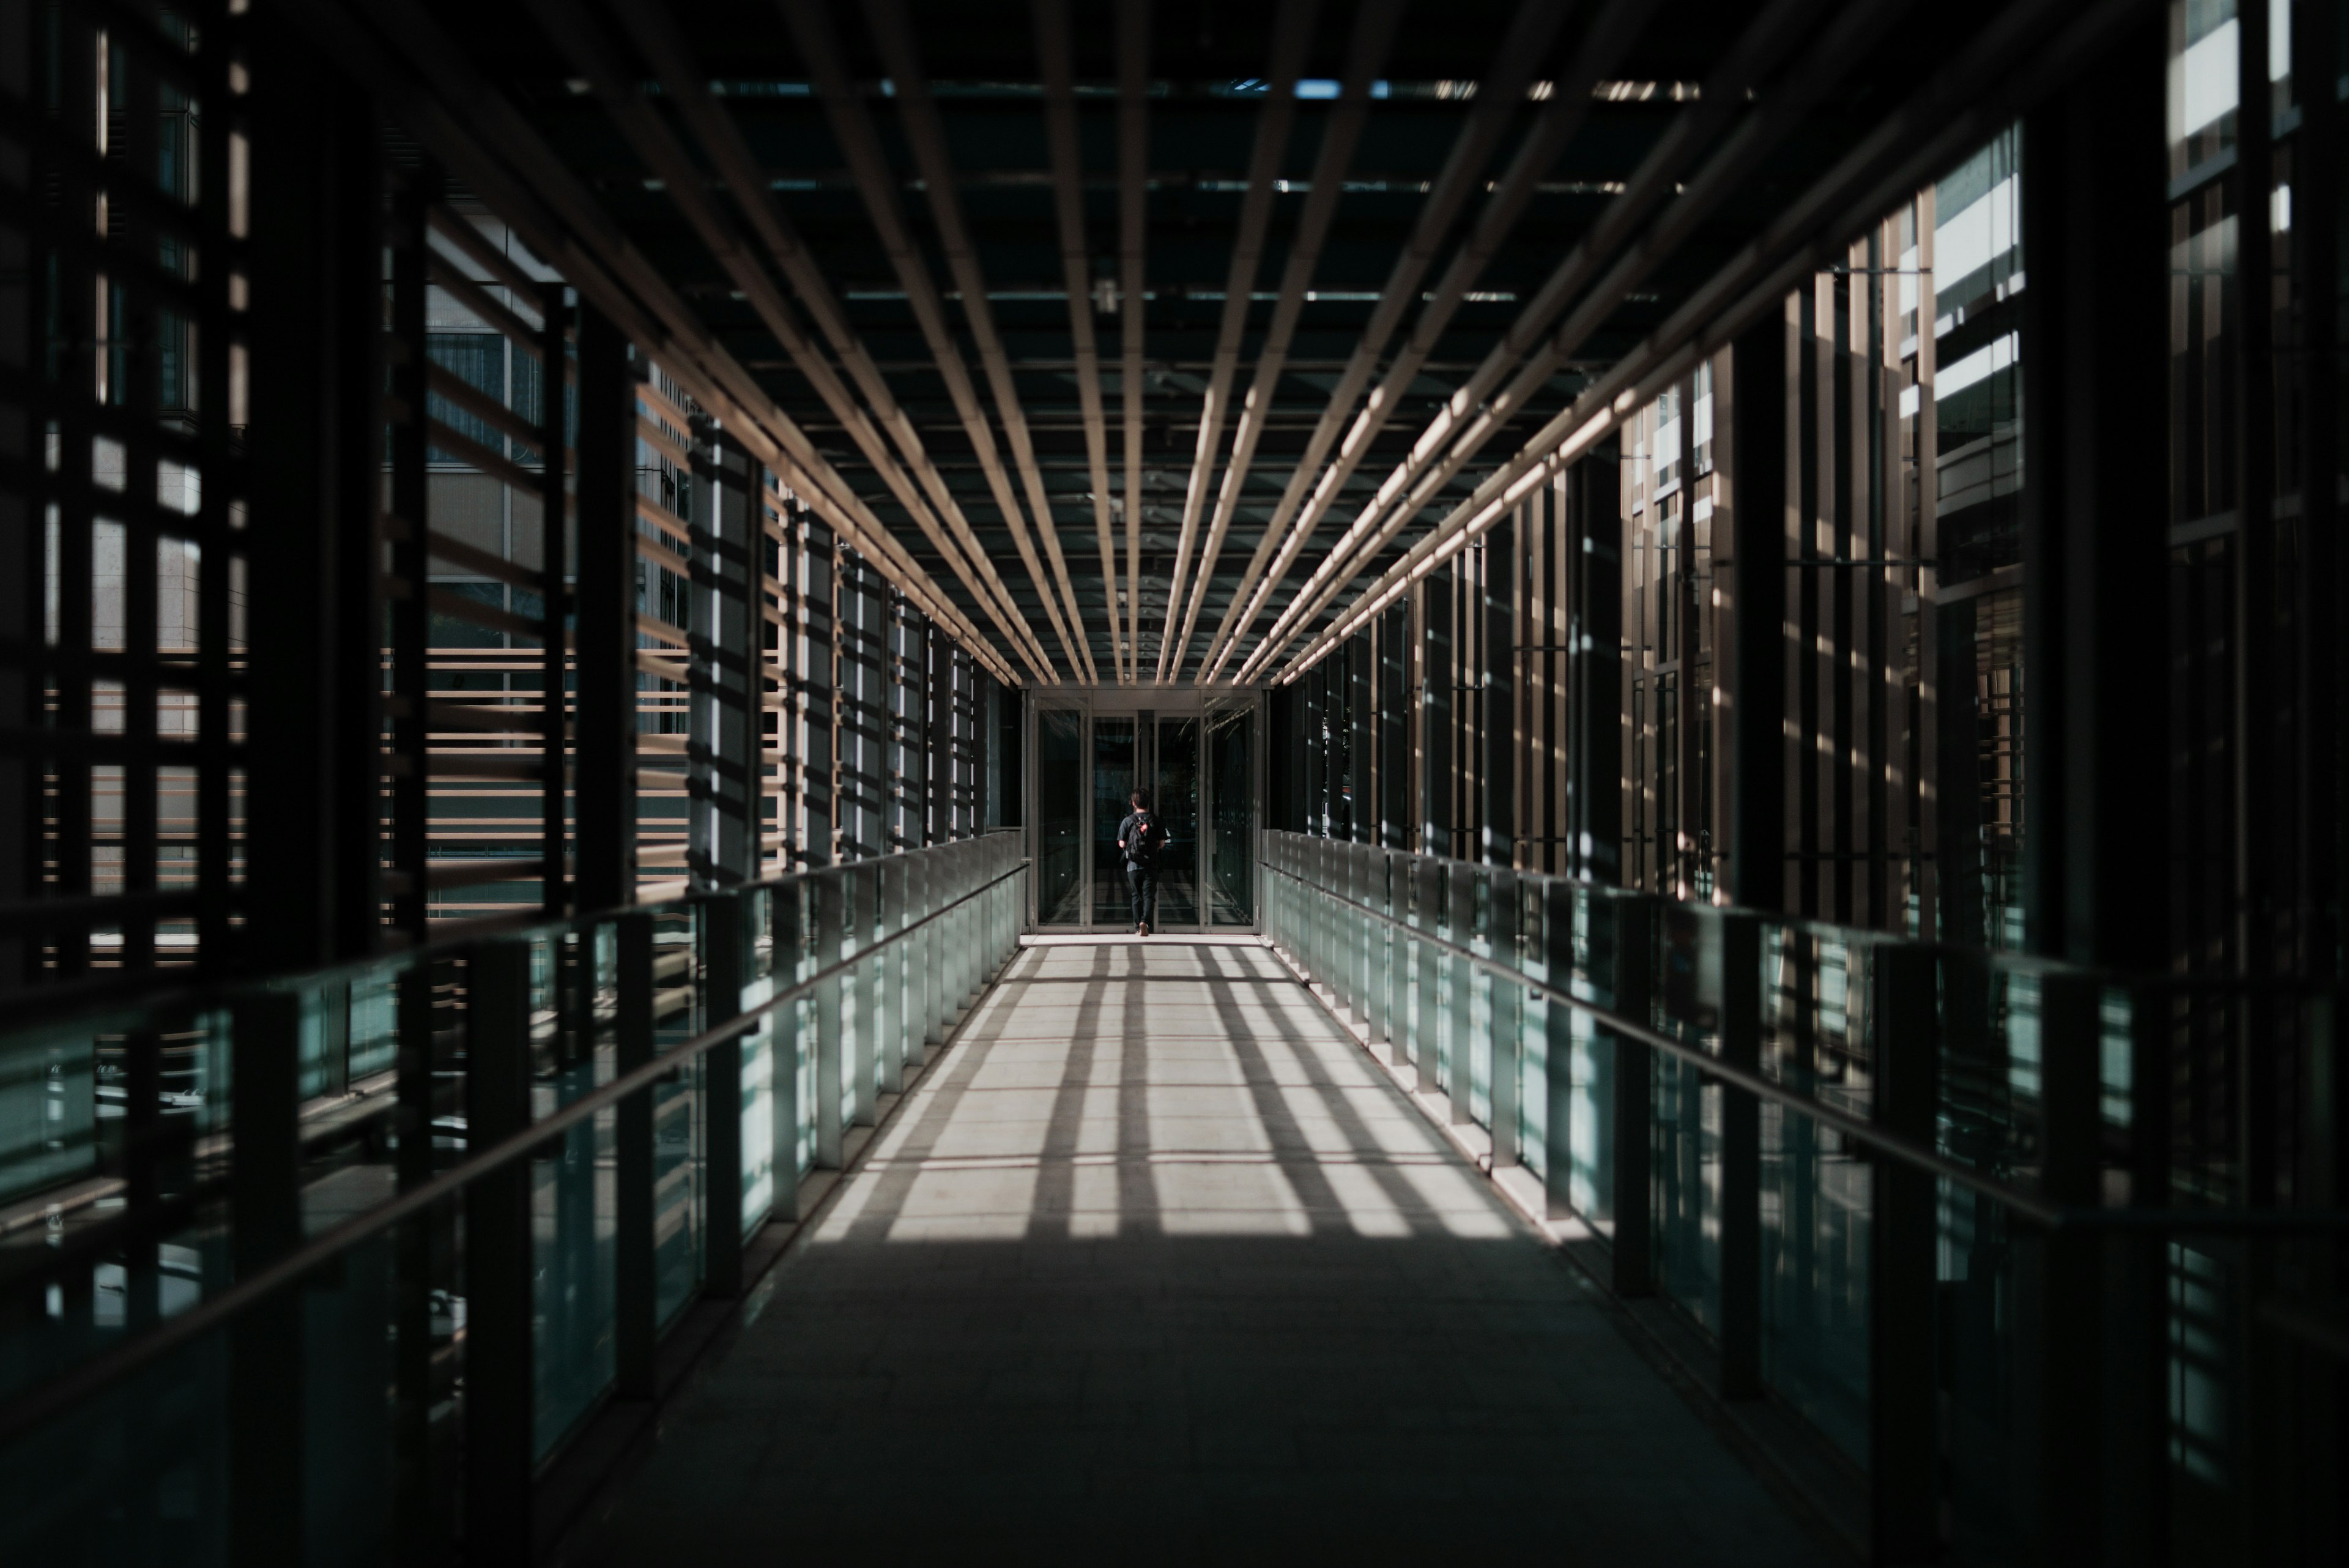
1177	799
1112	785
1978	271
573	1205
1590	1062
1233	851
1059	815
677	1208
1816	1196
758	1073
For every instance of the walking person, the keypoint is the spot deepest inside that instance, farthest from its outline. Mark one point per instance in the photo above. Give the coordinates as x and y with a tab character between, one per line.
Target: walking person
1140	838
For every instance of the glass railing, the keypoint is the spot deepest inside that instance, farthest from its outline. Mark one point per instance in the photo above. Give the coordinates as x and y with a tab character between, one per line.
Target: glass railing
332	1267
2039	1254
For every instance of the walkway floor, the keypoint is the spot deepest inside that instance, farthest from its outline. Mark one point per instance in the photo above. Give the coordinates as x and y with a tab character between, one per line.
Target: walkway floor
1156	1265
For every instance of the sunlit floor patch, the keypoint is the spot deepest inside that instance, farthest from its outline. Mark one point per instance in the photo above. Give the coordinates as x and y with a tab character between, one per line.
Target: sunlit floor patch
1158	1253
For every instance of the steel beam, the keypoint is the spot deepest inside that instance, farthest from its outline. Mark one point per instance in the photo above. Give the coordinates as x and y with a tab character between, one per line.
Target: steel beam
877	184
1524	51
2031	50
1055	49
1133	288
1605	266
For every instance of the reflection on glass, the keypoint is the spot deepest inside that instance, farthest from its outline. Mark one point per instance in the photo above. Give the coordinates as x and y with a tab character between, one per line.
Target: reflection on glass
1232	855
1059	815
1978	270
1178	800
680	1209
1112	785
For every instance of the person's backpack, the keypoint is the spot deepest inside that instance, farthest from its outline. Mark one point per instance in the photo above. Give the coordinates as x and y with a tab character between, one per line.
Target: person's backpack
1141	846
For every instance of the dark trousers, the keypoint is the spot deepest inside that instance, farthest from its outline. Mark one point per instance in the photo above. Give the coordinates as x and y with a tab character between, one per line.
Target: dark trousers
1144	882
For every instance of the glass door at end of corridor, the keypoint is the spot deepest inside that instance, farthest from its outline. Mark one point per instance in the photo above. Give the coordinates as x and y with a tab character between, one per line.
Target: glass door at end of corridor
1116	767
1199	768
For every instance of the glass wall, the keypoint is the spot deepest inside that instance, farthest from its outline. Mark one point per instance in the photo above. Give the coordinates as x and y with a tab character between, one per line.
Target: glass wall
1177	797
1059	815
1197	760
1114	760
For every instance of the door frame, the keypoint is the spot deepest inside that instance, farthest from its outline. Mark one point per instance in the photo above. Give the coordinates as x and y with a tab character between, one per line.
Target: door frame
1147	706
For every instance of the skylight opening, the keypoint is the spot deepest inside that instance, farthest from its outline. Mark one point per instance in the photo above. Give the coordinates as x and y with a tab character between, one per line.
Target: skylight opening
1642	93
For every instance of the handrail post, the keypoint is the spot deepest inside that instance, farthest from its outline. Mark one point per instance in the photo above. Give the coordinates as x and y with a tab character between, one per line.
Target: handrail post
888	887
1460	913
724	971
1328	877
787	937
968	933
1316	907
265	1344
863	1041
2063	1358
830	1051
1355	927
1557	1133
1634	1097
2139	1480
1903	1235
421	1528
1426	1018
1394	1009
634	1265
1506	1013
961	971
926	951
499	1394
1345	962
1740	1159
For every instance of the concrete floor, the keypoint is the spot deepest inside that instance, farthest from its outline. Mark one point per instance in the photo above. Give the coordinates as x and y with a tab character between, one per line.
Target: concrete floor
1156	1265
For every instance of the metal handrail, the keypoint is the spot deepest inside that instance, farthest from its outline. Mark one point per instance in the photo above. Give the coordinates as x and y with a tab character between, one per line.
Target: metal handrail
2025	1205
32	1016
54	1398
219	995
1810	926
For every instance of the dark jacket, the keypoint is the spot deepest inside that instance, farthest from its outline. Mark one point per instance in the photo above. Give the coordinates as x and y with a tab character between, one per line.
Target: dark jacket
1143	836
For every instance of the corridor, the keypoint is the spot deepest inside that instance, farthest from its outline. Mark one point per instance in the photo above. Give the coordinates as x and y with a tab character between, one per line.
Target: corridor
1156	1263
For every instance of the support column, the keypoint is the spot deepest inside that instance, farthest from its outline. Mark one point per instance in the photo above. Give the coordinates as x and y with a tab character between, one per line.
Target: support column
2318	587
819	765
1496	779
1361	810
1749	754
605	632
728	583
1595	673
316	485
1497	772
1436	709
1395	727
2095	375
